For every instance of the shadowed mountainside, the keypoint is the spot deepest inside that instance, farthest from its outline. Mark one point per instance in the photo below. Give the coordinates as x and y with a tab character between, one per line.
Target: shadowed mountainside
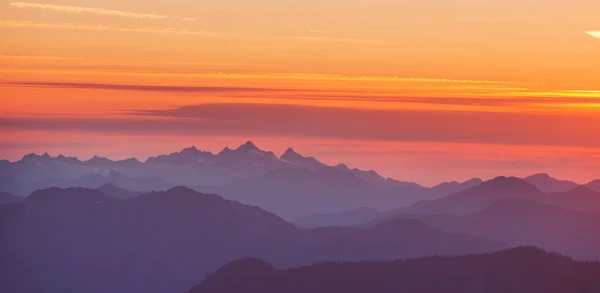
111	189
467	202
351	218
546	183
477	198
80	240
247	174
6	197
526	222
519	270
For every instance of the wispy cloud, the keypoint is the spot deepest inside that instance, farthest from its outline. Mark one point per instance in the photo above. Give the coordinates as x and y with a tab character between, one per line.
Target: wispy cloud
595	34
276	76
37	57
91	10
68	26
331	39
148	88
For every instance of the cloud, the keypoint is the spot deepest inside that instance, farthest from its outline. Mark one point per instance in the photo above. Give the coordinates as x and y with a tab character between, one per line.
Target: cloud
323	122
595	34
69	26
331	39
151	88
96	11
76	9
330	97
282	76
30	57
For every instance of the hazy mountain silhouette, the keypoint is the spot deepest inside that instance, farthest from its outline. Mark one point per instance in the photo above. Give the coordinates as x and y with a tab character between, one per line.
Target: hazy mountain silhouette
519	270
11	185
448	188
80	240
467	202
121	193
298	160
581	198
291	185
546	183
594	185
395	239
477	198
296	192
527	222
349	218
113	177
6	197
190	166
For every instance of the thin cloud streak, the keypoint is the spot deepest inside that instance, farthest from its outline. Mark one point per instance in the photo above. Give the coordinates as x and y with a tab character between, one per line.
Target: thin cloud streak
308	121
76	9
595	34
277	76
96	11
332	39
152	88
68	26
39	57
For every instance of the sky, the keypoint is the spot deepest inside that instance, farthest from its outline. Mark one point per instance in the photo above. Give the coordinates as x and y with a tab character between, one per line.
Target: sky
425	91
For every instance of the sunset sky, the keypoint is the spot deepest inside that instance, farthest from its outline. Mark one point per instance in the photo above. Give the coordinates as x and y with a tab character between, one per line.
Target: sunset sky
425	91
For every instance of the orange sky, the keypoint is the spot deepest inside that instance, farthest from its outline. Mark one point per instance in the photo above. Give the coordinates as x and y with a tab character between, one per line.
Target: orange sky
512	78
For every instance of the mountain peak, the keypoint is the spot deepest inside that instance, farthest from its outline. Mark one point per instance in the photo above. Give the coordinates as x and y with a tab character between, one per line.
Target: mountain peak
191	149
290	154
547	183
98	159
29	157
247	146
473	181
540	176
507	184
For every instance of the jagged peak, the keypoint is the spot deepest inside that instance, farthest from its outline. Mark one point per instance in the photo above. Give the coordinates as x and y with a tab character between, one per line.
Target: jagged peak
29	156
290	153
249	145
342	166
97	158
131	160
191	149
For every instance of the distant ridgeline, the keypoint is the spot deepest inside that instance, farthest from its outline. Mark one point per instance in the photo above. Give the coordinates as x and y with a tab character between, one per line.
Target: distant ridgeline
519	270
291	185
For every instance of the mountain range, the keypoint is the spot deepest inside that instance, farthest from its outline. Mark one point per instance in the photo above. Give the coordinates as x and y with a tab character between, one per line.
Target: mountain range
467	202
292	185
81	240
519	270
527	222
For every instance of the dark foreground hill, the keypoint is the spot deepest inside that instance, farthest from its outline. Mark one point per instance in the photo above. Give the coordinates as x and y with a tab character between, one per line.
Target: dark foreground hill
520	270
81	240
